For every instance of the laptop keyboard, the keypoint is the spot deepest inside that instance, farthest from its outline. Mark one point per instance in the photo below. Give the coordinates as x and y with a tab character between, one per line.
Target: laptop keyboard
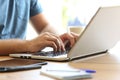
52	53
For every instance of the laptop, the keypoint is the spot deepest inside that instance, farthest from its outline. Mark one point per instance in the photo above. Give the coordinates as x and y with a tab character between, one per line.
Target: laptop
100	35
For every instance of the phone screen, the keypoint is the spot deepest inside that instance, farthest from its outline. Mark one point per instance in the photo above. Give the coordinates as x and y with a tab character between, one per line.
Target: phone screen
21	62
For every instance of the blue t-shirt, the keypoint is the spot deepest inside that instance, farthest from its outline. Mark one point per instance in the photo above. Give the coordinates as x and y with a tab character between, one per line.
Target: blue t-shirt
14	17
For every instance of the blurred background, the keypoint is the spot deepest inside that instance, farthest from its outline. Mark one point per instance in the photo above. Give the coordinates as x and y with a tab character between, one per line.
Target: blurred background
64	14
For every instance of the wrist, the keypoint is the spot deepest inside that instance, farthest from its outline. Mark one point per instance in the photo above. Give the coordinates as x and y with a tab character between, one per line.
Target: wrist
30	46
22	46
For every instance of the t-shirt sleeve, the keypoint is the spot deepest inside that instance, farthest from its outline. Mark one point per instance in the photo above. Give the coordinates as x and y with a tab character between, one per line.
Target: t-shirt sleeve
35	8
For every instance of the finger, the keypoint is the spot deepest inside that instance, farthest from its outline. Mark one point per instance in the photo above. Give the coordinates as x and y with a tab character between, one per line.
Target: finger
51	37
61	44
75	35
56	40
51	44
71	39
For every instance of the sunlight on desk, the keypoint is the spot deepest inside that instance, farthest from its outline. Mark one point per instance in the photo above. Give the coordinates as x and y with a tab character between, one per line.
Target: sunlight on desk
116	50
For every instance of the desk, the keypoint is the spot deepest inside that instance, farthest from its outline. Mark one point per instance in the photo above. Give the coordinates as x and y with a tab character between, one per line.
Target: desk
107	67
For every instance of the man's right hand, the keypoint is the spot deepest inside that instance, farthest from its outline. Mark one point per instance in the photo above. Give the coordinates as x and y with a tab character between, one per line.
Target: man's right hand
45	40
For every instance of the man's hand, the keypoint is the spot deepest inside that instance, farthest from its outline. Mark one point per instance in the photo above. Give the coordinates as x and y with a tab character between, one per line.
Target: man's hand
69	39
46	40
51	40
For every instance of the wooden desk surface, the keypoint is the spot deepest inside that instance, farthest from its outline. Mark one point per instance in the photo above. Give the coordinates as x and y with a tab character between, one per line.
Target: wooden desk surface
107	68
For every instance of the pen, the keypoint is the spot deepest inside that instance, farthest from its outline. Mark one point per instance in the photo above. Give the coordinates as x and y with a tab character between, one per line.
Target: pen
86	70
89	71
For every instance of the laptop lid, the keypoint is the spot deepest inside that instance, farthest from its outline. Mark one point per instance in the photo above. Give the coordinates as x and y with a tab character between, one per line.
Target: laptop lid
100	35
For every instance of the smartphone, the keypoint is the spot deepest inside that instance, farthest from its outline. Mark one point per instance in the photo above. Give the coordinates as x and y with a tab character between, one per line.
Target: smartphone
18	64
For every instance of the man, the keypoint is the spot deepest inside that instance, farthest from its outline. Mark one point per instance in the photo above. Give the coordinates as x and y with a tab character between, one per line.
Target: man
14	16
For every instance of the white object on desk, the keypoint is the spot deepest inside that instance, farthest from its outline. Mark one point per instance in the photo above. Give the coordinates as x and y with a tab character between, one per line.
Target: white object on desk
68	74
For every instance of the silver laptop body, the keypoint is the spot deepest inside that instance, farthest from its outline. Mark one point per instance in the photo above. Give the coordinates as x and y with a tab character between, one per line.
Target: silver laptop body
100	35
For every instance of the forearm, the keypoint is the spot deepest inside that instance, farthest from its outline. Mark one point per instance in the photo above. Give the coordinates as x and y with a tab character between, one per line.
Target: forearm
52	29
41	25
13	46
